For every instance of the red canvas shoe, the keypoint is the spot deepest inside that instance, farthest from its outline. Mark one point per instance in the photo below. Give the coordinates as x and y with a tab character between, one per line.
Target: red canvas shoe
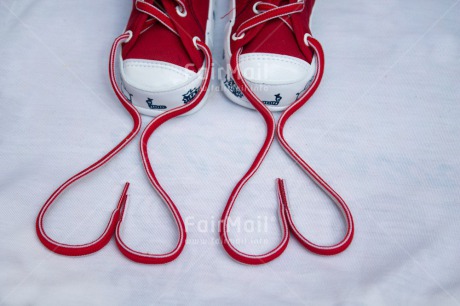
274	64
166	70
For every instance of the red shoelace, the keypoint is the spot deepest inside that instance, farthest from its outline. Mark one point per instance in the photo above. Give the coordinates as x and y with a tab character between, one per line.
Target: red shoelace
267	12
116	218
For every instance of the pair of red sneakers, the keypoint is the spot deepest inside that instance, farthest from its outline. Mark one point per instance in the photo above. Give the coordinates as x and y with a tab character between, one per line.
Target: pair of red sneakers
272	64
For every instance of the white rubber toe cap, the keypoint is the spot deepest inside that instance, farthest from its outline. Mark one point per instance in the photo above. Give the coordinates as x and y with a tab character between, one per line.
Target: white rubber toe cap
156	75
156	86
276	79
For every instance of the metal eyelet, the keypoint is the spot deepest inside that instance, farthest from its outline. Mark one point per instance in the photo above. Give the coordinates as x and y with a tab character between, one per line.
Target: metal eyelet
130	36
305	39
254	7
234	37
181	11
195	40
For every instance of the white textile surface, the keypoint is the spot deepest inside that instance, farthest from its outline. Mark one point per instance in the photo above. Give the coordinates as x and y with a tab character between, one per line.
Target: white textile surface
383	130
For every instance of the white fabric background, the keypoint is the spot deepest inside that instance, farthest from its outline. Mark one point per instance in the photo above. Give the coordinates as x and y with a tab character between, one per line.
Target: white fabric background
383	130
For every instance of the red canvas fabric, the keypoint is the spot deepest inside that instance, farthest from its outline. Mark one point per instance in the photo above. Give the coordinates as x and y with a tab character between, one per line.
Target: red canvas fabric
274	36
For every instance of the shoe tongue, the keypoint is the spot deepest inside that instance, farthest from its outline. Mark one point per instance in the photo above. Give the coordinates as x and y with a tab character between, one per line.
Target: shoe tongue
275	37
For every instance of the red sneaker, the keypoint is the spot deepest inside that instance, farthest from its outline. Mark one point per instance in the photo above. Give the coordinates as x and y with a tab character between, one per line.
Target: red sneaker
274	64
